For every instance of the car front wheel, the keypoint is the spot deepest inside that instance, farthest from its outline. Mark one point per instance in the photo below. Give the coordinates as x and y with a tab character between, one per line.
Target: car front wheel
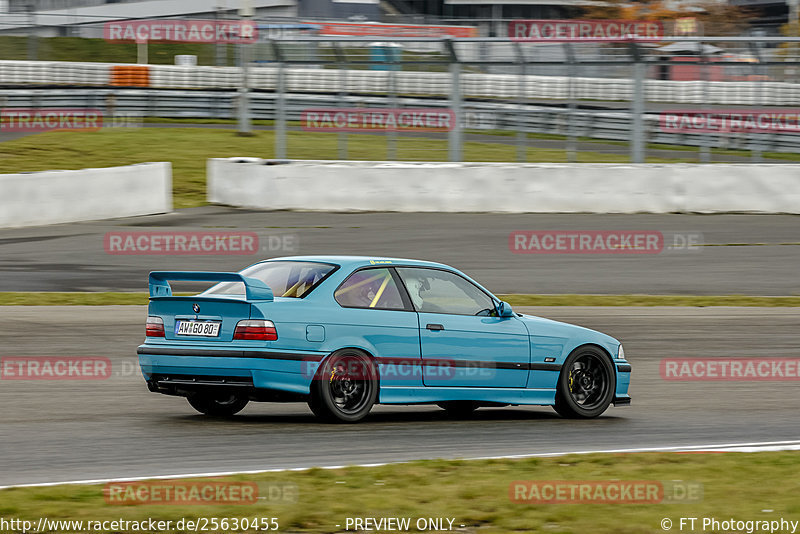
345	388
217	404
586	384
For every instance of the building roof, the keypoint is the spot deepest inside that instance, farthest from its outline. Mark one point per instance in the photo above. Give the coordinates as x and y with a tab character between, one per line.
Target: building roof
147	9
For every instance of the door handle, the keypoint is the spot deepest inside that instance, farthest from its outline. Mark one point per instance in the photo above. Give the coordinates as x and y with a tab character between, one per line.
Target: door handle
434	327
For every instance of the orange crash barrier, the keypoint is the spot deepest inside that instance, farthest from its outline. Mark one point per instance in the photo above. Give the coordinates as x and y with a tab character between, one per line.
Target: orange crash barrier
130	75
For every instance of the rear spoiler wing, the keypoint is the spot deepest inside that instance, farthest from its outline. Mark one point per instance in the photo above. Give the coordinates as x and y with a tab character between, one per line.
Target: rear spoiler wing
254	288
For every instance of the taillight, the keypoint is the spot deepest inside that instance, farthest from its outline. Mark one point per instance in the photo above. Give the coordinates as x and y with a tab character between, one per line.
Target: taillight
256	329
154	327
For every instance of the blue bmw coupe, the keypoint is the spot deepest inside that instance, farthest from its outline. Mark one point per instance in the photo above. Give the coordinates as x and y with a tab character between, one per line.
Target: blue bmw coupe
344	333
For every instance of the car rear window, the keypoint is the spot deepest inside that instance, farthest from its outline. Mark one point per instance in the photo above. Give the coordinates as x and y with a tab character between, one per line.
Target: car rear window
294	279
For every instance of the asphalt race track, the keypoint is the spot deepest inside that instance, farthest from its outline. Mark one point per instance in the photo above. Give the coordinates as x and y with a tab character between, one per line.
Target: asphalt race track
77	430
743	254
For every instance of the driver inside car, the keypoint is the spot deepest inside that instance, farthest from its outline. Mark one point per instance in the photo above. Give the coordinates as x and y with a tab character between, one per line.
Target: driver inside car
416	286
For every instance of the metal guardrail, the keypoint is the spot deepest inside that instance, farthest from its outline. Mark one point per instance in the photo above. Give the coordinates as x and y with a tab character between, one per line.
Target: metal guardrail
597	124
305	79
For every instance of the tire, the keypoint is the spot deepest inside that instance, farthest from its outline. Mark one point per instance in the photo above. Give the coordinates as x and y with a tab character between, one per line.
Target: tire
459	409
217	404
345	388
586	384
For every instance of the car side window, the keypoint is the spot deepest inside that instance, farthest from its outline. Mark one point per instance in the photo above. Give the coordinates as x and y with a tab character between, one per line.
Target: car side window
370	288
437	291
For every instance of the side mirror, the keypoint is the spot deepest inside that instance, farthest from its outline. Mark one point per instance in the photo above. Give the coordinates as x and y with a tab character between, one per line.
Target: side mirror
504	309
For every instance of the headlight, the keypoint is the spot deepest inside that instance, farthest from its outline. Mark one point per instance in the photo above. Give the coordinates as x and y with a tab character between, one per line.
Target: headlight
621	353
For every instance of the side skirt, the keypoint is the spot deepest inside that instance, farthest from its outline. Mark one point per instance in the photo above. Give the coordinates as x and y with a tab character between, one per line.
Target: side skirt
424	395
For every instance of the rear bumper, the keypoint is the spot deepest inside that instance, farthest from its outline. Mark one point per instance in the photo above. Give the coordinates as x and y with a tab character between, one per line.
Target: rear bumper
186	385
178	371
170	383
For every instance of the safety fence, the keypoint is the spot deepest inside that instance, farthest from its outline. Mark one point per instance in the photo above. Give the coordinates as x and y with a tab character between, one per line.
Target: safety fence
126	107
709	93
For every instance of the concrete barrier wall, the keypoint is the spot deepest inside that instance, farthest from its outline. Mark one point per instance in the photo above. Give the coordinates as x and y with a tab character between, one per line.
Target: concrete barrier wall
53	197
502	187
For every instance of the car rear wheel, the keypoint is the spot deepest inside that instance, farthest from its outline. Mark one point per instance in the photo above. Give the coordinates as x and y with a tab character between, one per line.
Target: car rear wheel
345	388
459	409
217	404
586	385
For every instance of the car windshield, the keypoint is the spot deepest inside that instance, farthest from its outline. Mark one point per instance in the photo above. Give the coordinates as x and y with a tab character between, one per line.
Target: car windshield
286	278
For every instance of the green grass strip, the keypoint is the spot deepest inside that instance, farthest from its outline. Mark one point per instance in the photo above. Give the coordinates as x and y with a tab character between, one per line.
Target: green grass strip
51	298
473	493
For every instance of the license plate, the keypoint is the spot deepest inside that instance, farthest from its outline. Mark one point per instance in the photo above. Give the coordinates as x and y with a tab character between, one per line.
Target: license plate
197	328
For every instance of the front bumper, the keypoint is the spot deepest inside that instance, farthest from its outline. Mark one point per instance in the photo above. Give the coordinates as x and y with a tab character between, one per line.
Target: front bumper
622	401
